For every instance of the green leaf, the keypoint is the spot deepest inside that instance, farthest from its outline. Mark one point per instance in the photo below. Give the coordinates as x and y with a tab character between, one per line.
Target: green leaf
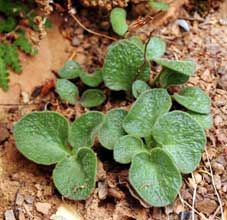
156	48
11	58
169	77
158	5
67	91
155	177
150	105
92	80
10	8
118	21
187	68
24	45
42	137
92	98
4	76
127	147
112	129
122	65
182	137
84	129
7	25
194	99
70	70
75	176
137	42
150	142
139	87
205	120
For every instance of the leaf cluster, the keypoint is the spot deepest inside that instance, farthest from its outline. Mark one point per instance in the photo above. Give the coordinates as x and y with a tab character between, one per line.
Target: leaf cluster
69	92
158	141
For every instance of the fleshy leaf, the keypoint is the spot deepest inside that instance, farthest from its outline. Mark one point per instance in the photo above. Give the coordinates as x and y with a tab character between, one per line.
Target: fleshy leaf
75	176
112	129
139	87
93	79
182	137
194	99
4	76
184	67
137	42
155	177
158	5
42	137
127	147
205	120
122	65
118	21
70	70
92	98
150	105
67	91
84	129
156	48
169	77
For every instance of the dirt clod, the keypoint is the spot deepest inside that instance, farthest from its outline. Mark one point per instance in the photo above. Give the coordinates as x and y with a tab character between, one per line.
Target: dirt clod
206	206
4	133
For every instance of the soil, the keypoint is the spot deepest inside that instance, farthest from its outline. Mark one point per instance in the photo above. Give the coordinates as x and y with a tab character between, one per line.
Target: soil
27	189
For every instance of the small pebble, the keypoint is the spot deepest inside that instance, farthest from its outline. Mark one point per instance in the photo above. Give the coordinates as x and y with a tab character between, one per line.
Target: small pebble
9	215
19	199
184	215
43	207
76	41
29	199
183	24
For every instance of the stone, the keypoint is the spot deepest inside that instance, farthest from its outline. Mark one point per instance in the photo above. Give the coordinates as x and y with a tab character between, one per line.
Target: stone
19	199
43	207
9	215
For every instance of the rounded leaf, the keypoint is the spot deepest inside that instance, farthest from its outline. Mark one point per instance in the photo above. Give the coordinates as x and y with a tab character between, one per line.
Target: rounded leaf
158	5
139	87
118	21
84	129
92	98
111	129
205	121
70	70
182	137
155	177
75	176
67	91
127	147
150	105
184	67
169	77
156	48
194	99
123	62
93	79
42	137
